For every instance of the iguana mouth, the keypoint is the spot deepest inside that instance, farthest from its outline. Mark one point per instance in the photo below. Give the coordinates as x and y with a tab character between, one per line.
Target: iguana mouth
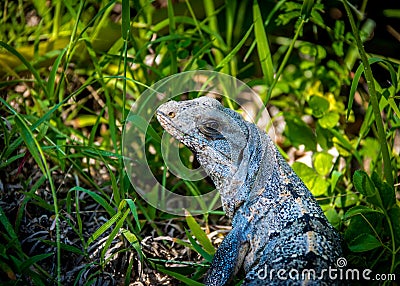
167	123
171	128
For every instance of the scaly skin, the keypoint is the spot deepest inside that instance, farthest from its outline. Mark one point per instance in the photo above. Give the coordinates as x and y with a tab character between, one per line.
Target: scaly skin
277	225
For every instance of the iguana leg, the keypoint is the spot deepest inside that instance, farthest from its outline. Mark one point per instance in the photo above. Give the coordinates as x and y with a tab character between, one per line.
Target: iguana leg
228	259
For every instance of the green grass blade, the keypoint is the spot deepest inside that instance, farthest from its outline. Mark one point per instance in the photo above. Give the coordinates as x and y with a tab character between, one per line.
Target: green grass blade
354	84
199	234
230	20
97	198
266	23
387	167
21	209
32	260
132	206
142	124
37	153
181	277
172	29
42	119
207	256
126	19
9	230
29	139
306	9
234	51
126	26
264	52
102	229
114	233
52	76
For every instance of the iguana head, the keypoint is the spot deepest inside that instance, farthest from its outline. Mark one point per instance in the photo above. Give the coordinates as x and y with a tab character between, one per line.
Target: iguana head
220	139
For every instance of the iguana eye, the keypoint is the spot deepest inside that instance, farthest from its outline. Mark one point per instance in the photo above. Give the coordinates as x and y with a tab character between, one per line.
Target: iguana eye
210	129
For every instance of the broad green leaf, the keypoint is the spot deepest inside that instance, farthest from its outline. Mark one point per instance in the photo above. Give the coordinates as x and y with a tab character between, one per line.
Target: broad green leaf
344	145
333	217
347	200
199	234
338	32
322	163
394	215
314	182
312	51
334	179
300	133
329	120
364	185
386	192
318	105
357	210
364	242
369	149
324	137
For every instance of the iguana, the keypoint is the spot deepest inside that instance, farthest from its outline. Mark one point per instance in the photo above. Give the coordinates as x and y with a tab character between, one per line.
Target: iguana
277	225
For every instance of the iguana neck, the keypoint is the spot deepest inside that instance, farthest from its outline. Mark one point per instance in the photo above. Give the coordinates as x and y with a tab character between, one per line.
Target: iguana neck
256	165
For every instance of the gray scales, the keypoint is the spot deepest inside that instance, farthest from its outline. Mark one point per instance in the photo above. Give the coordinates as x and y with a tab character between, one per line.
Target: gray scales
276	222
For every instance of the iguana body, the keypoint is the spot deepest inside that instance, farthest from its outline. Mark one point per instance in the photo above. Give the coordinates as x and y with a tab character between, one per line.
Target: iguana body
276	222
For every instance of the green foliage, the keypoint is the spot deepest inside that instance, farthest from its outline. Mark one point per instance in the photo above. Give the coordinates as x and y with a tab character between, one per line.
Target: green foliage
376	226
71	70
